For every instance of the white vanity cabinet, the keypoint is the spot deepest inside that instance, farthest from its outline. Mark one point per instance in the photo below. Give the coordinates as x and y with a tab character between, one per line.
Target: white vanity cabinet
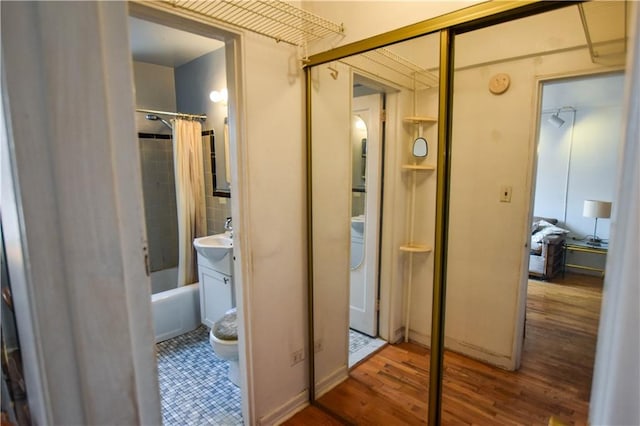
217	294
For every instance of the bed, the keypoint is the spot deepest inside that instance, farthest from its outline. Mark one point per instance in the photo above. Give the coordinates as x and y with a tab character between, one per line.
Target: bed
547	248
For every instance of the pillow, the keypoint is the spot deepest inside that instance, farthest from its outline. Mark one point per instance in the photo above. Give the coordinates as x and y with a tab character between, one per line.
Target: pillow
546	219
547	229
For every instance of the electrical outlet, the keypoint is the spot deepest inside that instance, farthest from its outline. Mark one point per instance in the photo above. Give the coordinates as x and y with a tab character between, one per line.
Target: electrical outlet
505	194
297	356
317	347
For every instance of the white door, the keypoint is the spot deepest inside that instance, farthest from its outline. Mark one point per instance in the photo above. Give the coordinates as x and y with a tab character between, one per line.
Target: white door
364	238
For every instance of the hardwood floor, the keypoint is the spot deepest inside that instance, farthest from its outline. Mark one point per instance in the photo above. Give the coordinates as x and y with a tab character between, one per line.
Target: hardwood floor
391	387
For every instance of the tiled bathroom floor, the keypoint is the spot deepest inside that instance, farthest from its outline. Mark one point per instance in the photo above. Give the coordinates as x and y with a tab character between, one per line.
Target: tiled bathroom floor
361	346
194	388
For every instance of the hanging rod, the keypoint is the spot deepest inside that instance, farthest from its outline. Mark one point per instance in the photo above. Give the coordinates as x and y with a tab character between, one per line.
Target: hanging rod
275	19
174	114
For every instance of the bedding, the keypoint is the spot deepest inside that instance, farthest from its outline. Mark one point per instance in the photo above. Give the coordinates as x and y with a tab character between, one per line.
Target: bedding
541	229
547	248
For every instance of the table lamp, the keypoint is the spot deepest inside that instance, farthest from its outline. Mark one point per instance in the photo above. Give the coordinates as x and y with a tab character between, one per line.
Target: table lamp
598	210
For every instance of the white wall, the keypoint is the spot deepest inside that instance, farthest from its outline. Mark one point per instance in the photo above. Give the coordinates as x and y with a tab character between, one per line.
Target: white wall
331	221
616	382
70	174
274	186
577	162
363	19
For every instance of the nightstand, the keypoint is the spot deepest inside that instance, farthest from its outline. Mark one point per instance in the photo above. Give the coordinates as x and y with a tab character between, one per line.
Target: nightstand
583	247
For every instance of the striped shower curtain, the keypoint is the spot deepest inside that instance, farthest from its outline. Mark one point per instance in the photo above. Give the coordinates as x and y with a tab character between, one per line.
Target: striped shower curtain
190	198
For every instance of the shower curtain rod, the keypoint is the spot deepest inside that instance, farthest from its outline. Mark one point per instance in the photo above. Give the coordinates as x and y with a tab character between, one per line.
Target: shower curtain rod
174	114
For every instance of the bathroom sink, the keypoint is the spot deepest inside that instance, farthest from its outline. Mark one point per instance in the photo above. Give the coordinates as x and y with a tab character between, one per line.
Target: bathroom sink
357	224
214	247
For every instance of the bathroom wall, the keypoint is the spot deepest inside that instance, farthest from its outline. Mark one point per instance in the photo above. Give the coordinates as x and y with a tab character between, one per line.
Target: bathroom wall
155	90
194	81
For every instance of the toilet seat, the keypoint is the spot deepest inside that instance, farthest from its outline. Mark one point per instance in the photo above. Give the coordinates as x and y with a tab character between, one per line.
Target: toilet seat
226	328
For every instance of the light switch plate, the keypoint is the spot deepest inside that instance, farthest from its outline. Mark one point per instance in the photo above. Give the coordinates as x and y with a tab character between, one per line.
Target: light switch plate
505	194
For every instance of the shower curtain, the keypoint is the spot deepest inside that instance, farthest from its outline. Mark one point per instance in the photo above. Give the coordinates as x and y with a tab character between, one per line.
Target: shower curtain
190	199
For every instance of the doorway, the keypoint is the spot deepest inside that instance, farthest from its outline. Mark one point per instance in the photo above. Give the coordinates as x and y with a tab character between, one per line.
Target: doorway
367	140
180	74
579	134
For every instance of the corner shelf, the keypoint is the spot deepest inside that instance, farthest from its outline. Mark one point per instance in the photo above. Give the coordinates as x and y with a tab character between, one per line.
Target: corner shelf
416	248
417	119
418	167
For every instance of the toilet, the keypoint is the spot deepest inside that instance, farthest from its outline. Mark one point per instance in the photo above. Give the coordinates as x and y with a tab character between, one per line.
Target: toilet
224	341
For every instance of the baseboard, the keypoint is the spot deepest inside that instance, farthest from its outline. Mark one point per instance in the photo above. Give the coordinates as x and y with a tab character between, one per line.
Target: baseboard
332	380
420	338
466	349
398	336
478	353
286	410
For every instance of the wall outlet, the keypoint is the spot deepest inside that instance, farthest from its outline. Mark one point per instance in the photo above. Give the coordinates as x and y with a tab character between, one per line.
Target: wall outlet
317	346
297	356
505	194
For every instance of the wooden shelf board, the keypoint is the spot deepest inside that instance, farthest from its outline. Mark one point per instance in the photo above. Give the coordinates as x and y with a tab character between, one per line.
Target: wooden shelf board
418	167
420	119
416	248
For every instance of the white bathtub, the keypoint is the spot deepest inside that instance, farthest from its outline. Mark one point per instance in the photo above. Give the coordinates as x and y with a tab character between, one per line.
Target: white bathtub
175	311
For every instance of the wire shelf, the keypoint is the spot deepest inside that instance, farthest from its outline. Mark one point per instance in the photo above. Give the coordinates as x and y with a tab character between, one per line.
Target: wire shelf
271	18
392	67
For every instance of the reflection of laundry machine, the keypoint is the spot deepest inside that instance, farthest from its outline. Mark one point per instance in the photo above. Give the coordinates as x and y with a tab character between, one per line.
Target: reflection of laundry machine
357	242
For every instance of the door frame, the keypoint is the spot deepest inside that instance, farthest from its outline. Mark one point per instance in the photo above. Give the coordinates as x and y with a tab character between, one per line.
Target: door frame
66	295
374	155
532	172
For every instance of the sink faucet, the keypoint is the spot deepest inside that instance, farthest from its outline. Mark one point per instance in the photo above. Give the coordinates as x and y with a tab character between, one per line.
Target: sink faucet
228	227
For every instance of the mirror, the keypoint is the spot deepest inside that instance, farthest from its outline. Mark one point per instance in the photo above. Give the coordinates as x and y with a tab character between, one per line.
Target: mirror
373	212
359	191
522	370
420	147
484	279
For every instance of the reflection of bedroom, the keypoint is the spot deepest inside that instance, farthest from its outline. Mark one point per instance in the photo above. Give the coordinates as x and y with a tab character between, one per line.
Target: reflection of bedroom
576	162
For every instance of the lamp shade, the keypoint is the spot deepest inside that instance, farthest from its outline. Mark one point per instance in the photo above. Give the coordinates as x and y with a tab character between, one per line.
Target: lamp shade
594	208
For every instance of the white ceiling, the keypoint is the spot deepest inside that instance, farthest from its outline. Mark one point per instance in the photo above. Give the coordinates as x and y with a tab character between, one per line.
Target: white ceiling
583	92
160	45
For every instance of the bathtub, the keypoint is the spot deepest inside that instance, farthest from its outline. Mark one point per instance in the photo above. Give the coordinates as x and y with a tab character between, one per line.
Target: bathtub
175	311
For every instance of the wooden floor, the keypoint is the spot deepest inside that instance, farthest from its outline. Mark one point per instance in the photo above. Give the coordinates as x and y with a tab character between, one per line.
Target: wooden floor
391	387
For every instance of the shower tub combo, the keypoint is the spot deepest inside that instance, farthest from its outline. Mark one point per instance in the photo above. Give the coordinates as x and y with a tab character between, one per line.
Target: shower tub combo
175	311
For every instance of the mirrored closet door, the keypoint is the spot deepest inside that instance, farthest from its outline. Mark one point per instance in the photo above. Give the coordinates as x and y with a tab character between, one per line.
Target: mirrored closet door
373	145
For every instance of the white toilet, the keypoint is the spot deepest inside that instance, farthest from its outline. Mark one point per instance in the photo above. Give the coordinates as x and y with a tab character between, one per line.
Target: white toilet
224	341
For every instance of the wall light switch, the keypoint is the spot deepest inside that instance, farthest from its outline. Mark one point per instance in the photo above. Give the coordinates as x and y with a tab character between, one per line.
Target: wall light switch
505	194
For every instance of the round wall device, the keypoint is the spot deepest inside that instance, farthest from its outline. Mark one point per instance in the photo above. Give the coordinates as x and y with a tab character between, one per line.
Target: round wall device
499	83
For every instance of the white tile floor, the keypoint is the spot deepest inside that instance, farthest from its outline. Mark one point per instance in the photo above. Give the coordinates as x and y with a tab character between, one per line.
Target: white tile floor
361	346
194	388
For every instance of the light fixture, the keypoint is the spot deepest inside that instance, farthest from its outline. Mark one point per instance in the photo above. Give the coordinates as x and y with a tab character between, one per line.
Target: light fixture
221	96
596	209
556	120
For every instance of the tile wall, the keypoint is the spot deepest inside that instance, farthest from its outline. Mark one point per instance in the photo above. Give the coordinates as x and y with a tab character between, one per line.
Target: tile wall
218	208
158	187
